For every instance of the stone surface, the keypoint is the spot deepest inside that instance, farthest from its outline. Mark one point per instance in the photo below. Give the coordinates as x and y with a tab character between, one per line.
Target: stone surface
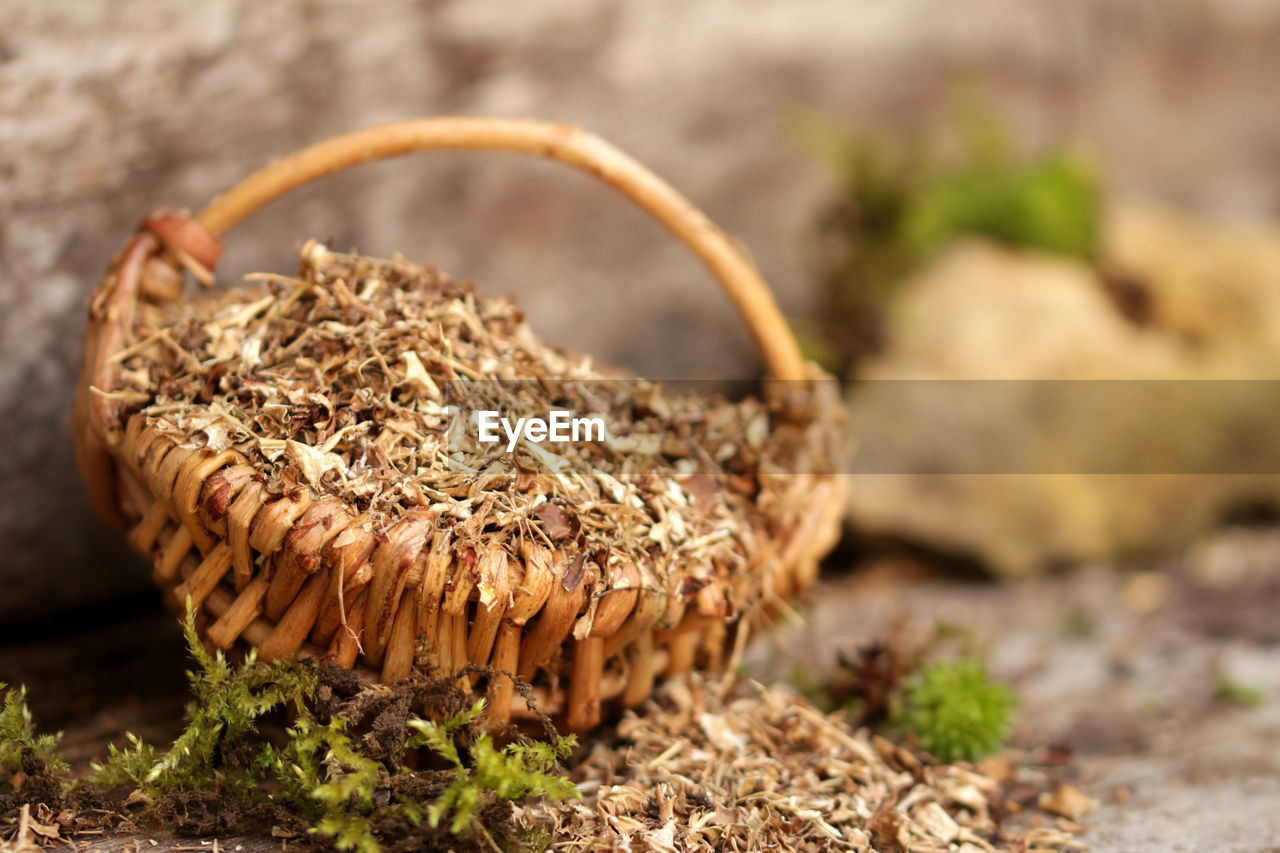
1023	470
108	109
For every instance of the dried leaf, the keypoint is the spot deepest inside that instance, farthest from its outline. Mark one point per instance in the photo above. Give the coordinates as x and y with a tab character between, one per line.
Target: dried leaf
313	462
1067	801
556	523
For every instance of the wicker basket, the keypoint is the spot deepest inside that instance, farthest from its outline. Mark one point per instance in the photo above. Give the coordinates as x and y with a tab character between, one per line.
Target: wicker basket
304	573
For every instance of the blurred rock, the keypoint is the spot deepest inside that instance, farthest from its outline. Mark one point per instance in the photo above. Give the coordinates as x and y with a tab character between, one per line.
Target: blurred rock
1027	475
1213	287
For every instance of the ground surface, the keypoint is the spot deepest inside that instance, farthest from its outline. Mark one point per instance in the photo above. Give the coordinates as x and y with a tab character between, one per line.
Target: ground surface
1120	668
1123	670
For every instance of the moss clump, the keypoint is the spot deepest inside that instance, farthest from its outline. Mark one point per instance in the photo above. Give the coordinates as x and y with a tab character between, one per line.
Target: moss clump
1047	204
336	773
955	711
228	703
932	689
1227	689
329	781
18	736
521	769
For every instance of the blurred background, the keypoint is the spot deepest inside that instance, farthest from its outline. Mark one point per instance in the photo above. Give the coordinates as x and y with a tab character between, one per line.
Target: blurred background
996	189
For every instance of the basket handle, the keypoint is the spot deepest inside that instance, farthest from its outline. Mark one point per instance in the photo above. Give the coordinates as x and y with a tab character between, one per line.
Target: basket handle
555	141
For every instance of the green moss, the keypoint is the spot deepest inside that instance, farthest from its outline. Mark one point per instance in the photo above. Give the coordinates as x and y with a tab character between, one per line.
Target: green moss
900	200
125	768
1227	689
18	735
350	790
535	839
1075	621
327	780
229	702
955	711
1047	204
521	769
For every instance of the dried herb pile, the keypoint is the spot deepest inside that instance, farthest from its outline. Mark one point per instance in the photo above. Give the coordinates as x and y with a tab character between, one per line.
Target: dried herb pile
712	765
360	378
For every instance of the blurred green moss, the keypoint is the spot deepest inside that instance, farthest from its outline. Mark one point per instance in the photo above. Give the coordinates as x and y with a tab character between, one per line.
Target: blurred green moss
899	201
956	711
1048	204
1227	689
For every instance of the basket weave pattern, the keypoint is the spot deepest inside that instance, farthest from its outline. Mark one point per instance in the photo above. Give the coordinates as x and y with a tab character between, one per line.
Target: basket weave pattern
296	571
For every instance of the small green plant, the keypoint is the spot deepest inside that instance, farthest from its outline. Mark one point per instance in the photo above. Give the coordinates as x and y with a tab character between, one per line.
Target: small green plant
521	769
955	711
1076	622
18	735
1228	689
349	789
229	702
125	768
1049	203
331	782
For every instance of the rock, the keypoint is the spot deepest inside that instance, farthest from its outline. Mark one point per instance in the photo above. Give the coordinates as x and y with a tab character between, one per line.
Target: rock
1023	475
1213	287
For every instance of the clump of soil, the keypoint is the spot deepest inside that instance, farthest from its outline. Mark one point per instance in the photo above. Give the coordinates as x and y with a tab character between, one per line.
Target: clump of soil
54	811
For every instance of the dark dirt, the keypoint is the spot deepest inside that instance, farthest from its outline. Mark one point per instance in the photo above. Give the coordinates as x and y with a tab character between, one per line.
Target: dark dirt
207	814
83	811
39	786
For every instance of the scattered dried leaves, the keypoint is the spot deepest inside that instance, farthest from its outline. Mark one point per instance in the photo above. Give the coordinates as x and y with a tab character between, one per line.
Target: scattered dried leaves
710	766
